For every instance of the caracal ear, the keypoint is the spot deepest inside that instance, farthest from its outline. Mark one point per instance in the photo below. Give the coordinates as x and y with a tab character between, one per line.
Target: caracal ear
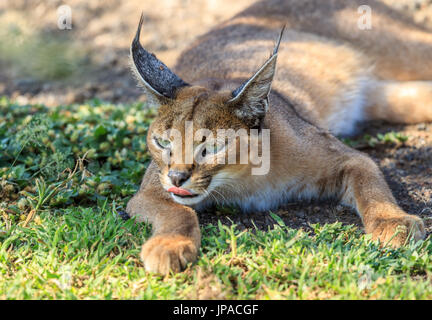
250	100
158	81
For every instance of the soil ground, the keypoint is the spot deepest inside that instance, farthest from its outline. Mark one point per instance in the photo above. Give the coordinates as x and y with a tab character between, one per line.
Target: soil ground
103	31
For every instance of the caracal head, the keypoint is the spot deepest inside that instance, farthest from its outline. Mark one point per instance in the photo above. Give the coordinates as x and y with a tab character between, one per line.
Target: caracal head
187	139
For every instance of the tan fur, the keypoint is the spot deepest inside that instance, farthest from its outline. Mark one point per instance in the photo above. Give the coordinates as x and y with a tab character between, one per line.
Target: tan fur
330	75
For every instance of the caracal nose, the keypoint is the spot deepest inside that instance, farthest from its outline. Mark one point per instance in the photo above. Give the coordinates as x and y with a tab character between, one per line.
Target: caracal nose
178	177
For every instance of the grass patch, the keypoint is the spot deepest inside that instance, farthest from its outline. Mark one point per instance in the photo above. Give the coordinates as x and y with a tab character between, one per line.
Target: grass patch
38	54
368	141
66	171
89	253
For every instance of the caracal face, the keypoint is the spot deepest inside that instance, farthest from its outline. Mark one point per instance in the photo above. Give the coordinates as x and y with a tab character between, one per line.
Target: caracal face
191	127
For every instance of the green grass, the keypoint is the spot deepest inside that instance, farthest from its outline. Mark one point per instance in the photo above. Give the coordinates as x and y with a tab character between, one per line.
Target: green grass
389	138
38	54
61	236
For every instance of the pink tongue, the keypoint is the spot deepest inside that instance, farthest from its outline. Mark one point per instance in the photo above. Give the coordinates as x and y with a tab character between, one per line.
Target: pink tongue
179	191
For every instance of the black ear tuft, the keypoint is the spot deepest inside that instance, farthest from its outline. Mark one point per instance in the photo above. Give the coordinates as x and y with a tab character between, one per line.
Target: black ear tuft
156	77
250	100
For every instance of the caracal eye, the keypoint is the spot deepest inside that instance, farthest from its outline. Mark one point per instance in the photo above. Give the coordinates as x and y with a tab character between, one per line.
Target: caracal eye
213	148
162	143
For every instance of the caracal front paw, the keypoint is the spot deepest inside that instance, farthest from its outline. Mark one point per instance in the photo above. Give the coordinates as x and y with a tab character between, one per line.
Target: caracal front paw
397	230
164	253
